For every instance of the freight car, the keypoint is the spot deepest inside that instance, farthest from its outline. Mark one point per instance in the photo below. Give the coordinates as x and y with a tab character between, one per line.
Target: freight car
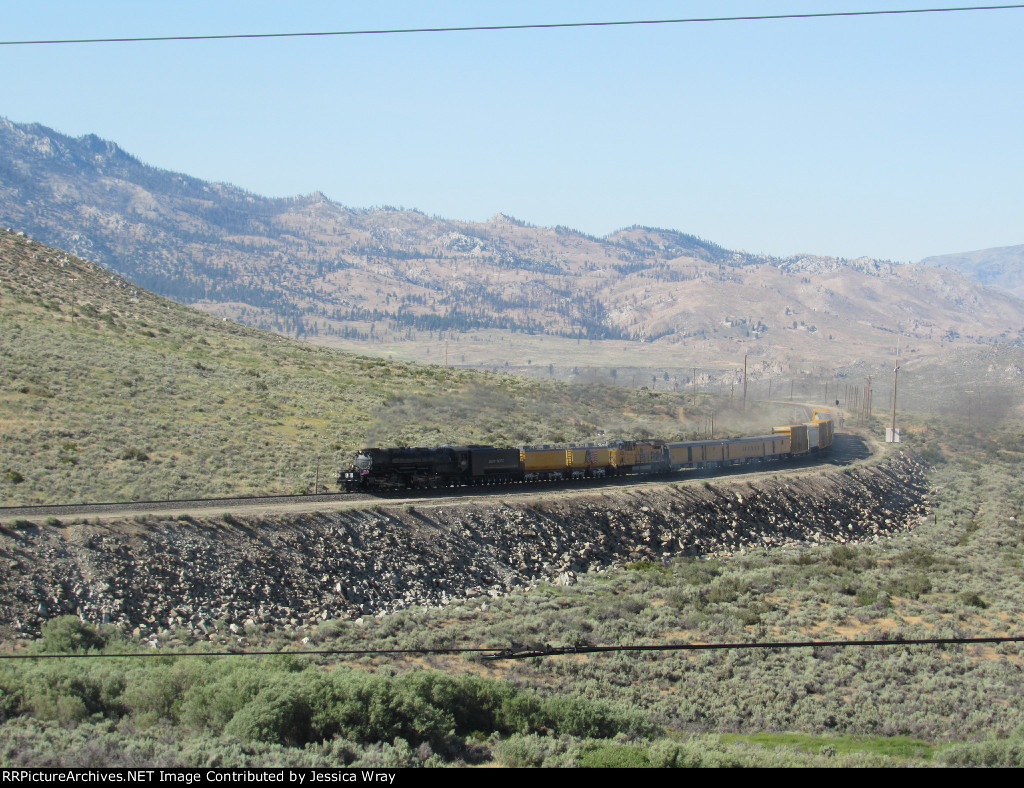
457	466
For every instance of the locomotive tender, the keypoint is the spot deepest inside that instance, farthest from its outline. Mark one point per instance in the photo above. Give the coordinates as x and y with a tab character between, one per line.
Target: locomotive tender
457	466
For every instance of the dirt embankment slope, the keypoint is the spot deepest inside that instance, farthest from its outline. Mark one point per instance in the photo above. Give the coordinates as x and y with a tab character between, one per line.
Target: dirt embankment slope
215	576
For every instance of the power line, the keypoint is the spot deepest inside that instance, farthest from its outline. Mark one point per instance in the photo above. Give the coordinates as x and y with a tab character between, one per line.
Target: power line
357	652
492	654
536	26
548	651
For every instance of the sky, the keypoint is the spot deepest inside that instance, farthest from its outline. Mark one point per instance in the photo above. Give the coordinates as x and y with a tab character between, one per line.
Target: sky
894	137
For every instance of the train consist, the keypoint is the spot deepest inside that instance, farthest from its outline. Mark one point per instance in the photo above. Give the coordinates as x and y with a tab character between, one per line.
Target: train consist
457	466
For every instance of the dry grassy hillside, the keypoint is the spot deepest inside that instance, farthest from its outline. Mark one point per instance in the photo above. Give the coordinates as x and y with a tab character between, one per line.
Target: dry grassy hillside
112	393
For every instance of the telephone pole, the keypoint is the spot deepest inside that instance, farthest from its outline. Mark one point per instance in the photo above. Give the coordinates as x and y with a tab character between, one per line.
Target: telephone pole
893	436
744	382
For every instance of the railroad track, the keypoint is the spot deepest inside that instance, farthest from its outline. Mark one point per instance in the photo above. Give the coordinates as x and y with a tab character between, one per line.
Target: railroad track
847	449
173	505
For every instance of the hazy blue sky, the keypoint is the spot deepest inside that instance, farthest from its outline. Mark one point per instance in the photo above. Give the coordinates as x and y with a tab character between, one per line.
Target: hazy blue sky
896	137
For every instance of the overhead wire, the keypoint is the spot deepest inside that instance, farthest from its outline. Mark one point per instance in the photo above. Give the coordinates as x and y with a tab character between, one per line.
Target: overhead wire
492	654
358	652
529	26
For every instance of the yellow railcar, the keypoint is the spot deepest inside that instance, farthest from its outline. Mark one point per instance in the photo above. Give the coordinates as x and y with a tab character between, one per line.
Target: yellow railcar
588	461
798	437
547	463
684	455
814	435
744	449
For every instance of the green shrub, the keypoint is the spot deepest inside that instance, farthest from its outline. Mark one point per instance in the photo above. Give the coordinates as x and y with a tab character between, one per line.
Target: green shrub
536	751
843	556
11	695
870	595
69	635
995	754
69	693
615	756
646	566
280	713
215	693
724	591
972	599
912	585
374	709
590	718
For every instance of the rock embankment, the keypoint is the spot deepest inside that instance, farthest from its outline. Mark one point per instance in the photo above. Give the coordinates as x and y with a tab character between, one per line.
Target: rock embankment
214	578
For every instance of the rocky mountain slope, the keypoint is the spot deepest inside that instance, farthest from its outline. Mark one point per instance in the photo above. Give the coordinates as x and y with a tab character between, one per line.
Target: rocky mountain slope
313	268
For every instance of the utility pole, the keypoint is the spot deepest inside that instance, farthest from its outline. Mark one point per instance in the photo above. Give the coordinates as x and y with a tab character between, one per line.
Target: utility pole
744	382
893	436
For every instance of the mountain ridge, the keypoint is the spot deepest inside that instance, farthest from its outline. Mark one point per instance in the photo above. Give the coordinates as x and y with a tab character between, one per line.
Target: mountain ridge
395	281
1001	267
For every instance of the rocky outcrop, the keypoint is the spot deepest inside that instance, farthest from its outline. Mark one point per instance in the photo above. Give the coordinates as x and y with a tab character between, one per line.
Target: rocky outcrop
214	579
